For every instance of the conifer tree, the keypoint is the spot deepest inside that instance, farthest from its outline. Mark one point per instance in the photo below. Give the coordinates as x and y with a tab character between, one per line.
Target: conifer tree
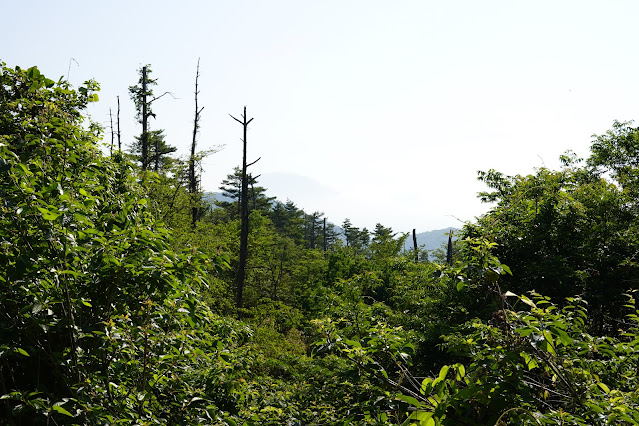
232	188
148	148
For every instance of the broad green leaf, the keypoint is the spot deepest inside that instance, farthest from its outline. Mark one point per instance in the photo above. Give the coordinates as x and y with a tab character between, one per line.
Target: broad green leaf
48	215
425	418
444	372
461	371
564	338
33	73
548	344
527	301
427	386
61	410
603	387
594	407
410	400
530	361
525	331
353	343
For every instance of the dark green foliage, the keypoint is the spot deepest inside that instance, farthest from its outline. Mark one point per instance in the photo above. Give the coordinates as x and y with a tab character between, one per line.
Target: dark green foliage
150	148
288	220
156	140
355	237
564	233
116	309
100	320
231	188
617	153
313	229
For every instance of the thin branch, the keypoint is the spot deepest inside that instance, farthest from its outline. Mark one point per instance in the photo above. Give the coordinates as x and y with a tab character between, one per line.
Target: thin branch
69	70
250	164
158	97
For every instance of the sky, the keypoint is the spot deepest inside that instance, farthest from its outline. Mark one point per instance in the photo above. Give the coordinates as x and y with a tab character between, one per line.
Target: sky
376	111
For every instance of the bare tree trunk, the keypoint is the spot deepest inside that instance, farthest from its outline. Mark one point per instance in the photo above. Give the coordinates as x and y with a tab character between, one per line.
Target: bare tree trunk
312	230
145	117
193	184
415	246
118	119
324	236
244	216
112	135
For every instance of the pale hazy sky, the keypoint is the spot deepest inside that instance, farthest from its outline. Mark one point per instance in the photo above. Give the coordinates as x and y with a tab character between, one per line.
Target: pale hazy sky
379	111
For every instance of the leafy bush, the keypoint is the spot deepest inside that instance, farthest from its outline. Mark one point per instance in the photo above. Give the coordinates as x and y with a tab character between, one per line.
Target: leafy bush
100	321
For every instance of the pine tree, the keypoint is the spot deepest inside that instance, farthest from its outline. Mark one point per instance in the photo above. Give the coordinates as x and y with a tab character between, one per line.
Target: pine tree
314	226
232	187
157	149
149	149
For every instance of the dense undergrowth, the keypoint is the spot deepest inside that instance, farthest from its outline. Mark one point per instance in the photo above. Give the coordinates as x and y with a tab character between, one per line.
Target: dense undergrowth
115	310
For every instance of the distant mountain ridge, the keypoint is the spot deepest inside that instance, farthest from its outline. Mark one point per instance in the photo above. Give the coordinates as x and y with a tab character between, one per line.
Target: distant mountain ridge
211	197
430	240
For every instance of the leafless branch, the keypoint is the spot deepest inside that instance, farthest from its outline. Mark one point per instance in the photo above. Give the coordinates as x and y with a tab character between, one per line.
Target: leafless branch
158	97
250	164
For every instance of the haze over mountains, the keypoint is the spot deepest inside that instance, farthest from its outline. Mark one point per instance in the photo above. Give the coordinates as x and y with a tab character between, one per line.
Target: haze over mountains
429	240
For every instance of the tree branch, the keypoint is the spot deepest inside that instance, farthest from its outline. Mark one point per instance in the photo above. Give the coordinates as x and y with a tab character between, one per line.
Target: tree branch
158	97
241	122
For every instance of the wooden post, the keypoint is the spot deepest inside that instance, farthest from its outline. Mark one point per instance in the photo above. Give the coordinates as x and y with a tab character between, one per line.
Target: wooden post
415	246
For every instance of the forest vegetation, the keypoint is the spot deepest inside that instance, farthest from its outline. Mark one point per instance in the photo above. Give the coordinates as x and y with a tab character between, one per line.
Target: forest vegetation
124	297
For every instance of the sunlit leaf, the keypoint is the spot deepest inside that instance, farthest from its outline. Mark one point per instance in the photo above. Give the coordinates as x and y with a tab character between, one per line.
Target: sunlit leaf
48	215
61	410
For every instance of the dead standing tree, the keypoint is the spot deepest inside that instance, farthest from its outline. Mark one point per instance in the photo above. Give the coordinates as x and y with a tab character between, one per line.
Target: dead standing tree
193	184
119	141
449	250
244	215
112	135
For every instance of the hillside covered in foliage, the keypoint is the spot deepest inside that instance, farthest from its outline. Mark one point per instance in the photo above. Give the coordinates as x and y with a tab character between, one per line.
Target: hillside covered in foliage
121	302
